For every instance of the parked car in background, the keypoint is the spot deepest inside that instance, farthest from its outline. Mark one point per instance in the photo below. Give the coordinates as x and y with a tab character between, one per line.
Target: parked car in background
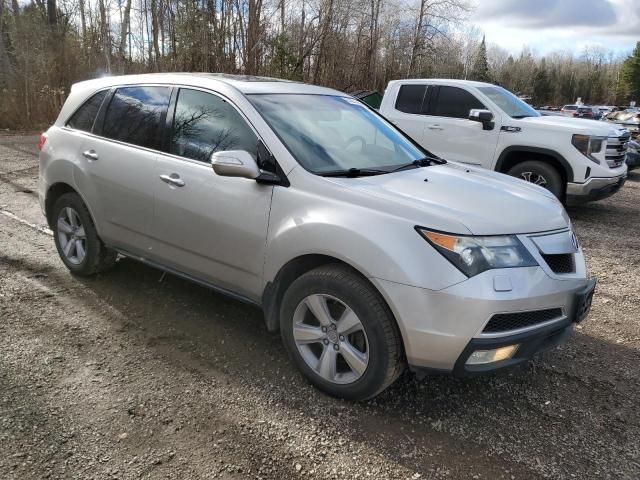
485	125
626	119
569	110
587	112
365	251
633	155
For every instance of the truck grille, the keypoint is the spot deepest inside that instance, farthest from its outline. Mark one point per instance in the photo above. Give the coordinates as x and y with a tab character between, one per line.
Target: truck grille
504	322
560	263
617	150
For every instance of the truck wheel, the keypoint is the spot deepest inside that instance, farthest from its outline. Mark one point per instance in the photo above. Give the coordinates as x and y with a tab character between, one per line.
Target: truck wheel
76	237
340	333
540	173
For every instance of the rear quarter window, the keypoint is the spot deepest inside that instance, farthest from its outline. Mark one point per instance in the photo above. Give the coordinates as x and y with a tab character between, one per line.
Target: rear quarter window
84	117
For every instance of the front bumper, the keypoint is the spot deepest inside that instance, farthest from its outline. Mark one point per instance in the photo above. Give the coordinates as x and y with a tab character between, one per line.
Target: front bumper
595	188
440	329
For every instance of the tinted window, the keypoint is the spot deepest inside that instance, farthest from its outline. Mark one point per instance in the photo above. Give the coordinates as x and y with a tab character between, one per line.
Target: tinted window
454	102
410	98
86	114
204	124
135	115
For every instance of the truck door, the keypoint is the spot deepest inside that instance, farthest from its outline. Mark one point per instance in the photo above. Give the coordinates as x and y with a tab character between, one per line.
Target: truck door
451	135
407	113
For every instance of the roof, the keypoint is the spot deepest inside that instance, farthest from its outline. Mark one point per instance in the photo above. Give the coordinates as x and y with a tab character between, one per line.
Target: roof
246	84
446	81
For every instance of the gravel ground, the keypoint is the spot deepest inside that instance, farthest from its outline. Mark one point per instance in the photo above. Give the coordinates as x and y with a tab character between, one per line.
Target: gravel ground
131	375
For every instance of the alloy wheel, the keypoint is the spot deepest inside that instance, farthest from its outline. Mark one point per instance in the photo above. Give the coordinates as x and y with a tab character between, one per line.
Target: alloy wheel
331	338
72	236
534	178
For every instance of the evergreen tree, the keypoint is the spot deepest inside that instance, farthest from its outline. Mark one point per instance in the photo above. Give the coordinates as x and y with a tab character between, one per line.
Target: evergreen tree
480	69
630	75
541	85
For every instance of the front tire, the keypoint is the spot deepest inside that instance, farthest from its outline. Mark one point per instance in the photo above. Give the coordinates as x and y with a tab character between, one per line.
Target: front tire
340	333
539	173
76	237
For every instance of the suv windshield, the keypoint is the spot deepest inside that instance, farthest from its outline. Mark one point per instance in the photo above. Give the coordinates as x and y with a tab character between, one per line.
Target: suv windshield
508	102
328	134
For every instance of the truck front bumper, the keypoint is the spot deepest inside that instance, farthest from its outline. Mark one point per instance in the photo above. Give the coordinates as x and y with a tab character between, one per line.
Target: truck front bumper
595	188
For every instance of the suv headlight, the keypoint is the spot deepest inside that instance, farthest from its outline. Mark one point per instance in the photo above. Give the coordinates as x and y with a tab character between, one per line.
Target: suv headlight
588	145
474	255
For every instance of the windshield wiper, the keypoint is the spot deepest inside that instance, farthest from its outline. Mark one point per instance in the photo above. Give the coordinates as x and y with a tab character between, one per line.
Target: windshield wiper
518	117
354	172
421	162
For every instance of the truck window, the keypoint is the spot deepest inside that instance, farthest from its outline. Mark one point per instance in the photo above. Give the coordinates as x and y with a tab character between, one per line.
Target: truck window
454	102
410	98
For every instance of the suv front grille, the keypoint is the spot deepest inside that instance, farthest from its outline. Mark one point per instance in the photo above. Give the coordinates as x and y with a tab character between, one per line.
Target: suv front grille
560	263
504	322
617	150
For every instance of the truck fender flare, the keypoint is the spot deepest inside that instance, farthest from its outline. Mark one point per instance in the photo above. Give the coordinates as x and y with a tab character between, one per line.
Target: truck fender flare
544	151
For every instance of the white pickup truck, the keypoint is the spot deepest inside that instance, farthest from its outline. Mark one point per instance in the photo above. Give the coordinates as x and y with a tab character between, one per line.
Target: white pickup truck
485	125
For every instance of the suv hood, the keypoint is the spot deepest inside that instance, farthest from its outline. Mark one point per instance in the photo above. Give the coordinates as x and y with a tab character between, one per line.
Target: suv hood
483	201
574	125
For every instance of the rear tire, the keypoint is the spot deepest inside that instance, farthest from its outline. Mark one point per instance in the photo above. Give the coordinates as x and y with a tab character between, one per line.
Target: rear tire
76	237
539	173
355	335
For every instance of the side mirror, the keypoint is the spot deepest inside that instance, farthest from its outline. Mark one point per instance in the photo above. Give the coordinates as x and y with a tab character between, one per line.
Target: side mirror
485	117
235	163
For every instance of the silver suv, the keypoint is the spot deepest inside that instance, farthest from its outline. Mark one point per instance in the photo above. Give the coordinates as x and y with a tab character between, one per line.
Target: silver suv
365	251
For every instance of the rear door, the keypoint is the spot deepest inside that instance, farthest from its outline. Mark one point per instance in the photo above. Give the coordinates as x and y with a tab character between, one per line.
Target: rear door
211	227
451	135
120	161
407	112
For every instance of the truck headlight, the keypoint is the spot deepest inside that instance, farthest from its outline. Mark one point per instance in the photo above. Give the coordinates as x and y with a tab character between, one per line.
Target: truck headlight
474	255
588	145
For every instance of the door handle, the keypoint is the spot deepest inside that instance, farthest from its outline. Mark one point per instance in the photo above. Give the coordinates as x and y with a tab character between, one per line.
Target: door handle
173	179
435	127
90	155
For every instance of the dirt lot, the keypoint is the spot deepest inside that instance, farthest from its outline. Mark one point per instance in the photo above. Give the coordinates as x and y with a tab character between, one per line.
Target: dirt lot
132	376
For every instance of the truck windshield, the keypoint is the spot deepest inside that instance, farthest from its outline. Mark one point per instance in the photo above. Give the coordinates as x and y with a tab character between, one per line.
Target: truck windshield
508	102
332	134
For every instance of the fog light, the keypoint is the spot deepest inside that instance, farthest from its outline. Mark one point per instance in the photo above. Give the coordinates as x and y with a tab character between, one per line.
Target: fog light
490	356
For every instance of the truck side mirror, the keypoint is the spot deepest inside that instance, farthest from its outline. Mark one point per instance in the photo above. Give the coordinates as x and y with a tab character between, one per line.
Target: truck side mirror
485	117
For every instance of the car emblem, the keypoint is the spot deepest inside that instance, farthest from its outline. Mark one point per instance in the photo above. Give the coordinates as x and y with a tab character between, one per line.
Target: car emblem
574	240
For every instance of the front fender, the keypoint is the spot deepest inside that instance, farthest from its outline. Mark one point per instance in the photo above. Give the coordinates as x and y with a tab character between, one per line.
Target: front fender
377	244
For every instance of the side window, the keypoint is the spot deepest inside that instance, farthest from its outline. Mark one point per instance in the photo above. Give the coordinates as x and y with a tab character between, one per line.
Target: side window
135	115
204	124
410	98
84	117
454	102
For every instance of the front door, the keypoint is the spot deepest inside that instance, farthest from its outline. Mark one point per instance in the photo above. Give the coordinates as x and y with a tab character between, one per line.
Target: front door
451	135
211	227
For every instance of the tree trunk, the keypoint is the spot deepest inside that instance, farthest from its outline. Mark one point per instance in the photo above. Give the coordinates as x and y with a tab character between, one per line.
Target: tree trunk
6	68
417	39
106	37
154	33
253	37
124	32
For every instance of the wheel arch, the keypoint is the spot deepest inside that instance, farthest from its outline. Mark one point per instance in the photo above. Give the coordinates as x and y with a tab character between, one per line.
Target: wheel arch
515	154
289	272
54	192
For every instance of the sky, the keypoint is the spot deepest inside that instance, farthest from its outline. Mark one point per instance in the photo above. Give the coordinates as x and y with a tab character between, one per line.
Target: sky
552	25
